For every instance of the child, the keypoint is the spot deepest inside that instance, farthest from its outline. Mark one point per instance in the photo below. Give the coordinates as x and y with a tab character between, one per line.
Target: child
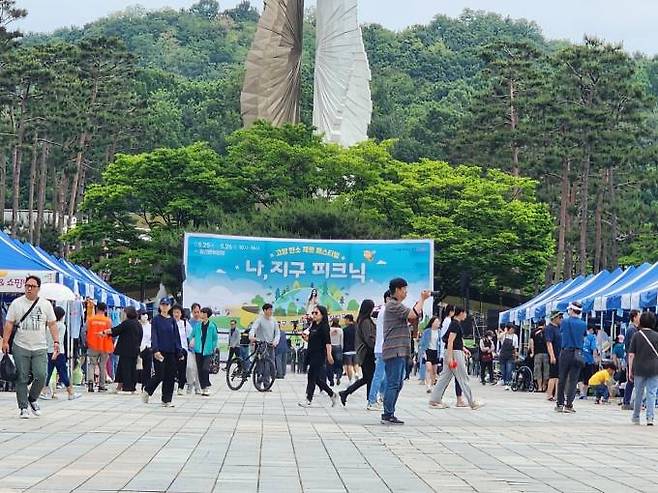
599	382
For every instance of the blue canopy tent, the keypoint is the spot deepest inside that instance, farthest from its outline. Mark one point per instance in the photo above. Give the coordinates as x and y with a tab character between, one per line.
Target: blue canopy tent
602	279
626	296
540	310
15	266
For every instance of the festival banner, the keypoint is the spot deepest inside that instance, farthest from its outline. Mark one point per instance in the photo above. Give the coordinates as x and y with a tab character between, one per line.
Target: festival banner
13	281
235	276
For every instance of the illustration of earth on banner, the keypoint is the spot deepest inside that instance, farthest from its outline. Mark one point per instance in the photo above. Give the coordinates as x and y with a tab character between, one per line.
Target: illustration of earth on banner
236	275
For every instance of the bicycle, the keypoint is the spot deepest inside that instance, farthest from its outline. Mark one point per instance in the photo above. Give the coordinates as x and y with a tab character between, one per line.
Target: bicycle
262	369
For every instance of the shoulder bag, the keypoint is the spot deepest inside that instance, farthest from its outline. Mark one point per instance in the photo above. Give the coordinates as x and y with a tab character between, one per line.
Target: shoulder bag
649	343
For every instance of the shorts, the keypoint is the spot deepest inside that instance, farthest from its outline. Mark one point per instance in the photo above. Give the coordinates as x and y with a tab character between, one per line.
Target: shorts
541	367
349	358
586	373
554	369
432	356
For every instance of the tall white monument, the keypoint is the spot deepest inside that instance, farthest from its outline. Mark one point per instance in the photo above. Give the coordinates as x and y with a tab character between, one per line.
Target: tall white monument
342	103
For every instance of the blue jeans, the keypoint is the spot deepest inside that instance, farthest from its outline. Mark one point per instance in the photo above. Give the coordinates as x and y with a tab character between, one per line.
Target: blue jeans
602	391
507	368
378	380
395	372
651	386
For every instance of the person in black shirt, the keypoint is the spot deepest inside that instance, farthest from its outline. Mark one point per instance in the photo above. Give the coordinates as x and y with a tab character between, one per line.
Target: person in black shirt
318	355
455	364
539	354
349	350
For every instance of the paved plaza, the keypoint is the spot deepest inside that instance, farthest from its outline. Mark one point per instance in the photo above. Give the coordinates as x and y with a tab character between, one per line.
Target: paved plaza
247	441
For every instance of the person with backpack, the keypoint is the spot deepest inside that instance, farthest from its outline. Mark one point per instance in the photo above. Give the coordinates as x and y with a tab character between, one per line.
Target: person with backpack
643	366
28	319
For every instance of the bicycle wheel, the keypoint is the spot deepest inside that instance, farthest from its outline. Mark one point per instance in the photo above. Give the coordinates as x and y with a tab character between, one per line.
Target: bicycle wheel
263	375
236	374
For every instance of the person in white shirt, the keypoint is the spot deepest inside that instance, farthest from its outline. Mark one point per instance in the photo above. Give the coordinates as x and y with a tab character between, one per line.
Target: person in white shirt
449	312
145	353
379	378
30	316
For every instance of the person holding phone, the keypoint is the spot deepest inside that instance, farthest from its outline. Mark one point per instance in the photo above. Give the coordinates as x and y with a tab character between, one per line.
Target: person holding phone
318	356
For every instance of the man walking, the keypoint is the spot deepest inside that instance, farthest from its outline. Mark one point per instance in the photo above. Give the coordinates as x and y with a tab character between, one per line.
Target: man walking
628	336
573	331
397	343
30	316
99	346
539	354
233	342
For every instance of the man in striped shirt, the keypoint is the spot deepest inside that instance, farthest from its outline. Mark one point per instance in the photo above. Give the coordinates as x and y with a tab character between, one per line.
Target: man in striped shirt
397	343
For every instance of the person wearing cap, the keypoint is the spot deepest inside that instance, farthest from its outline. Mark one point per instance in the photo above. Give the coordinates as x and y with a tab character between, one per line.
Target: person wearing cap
573	331
167	351
553	346
396	349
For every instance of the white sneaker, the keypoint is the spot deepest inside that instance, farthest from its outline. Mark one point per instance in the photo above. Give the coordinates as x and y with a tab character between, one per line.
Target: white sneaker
189	390
180	392
24	414
374	407
205	392
145	397
34	407
334	399
506	387
168	404
304	403
74	396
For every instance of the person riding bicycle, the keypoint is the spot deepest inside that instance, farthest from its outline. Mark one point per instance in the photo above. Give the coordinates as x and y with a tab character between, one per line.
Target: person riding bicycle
266	329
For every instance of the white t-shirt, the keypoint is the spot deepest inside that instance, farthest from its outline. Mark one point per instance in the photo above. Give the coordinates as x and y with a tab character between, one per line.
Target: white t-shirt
61	329
445	325
182	332
434	338
513	337
31	335
379	338
146	336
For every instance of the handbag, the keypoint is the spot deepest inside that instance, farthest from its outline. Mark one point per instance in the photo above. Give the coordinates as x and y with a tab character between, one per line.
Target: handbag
18	325
8	369
213	363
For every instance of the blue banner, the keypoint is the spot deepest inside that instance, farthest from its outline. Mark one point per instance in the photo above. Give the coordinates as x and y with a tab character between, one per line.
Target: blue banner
235	275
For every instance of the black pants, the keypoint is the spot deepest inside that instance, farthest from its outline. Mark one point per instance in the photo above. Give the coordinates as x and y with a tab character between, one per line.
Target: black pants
569	372
202	366
181	369
165	373
147	366
127	372
233	352
317	375
368	369
484	367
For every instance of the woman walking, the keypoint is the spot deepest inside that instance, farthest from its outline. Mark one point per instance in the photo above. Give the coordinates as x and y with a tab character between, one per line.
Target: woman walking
455	365
643	366
204	342
59	362
167	349
181	366
430	341
192	372
366	332
318	355
129	333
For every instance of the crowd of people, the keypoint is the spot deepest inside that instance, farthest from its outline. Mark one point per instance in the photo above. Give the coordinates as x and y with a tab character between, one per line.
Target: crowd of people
178	350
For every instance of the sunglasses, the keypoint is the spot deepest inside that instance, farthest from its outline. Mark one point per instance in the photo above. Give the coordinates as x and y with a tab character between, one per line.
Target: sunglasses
315	313
31	286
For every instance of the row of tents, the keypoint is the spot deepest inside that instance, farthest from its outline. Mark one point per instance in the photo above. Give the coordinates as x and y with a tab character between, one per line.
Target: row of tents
17	260
635	287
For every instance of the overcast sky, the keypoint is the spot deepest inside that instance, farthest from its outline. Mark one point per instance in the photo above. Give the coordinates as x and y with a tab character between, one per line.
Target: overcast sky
632	22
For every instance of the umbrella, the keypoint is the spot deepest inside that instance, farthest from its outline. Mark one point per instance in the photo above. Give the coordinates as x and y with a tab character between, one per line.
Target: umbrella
56	292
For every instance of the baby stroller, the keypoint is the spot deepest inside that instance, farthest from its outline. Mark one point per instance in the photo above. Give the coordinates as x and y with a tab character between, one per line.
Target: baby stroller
522	378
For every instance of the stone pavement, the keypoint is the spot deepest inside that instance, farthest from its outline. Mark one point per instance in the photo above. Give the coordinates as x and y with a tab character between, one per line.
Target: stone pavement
247	441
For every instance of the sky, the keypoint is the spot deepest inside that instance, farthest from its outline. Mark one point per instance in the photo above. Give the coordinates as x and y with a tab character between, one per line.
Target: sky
629	21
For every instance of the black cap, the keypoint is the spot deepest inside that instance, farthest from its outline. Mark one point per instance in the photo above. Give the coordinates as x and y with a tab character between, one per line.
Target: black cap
396	283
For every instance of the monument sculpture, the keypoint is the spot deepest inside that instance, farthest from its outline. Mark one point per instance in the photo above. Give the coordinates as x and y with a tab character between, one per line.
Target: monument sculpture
342	104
